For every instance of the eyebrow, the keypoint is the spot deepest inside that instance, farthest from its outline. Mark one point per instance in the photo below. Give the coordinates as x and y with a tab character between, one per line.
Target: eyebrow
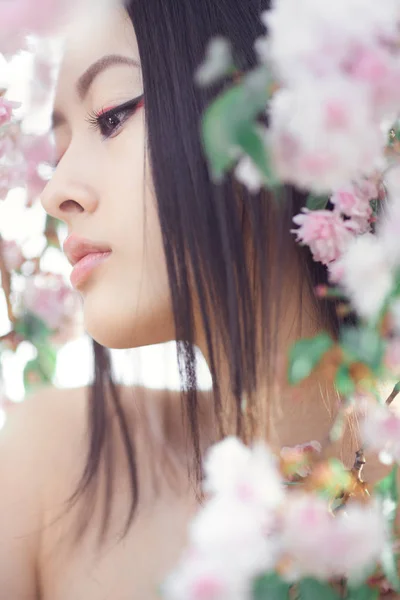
86	79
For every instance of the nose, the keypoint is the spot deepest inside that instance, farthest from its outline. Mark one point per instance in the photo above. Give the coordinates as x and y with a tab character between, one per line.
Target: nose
64	198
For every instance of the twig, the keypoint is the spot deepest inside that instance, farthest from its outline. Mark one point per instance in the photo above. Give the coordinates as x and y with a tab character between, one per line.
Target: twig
393	394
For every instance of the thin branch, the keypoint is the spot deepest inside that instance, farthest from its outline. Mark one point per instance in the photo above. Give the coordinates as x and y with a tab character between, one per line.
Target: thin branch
393	394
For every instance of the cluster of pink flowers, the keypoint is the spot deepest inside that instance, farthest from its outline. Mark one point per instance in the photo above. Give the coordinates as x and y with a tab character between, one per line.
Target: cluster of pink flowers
252	525
338	66
329	232
371	258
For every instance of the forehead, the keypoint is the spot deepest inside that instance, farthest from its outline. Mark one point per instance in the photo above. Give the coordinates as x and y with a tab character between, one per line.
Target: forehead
108	33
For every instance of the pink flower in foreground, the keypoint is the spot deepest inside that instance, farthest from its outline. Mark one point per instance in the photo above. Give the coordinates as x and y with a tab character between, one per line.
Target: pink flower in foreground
48	297
321	545
10	177
323	135
325	232
248	474
353	202
353	39
242	536
6	145
380	431
199	578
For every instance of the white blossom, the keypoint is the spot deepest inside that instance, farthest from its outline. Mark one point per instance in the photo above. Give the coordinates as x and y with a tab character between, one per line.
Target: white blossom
365	273
248	173
217	62
250	475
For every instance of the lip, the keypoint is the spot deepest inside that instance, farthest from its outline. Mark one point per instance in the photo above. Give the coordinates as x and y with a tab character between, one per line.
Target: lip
84	255
76	248
84	267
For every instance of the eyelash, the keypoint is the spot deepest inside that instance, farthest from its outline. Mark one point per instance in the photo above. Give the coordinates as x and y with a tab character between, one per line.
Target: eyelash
96	120
99	120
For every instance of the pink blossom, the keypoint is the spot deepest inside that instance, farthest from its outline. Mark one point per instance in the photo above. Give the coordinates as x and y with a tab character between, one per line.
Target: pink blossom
298	457
240	533
248	474
388	230
323	135
48	297
12	255
37	149
367	188
6	110
336	271
200	578
6	145
378	68
347	39
351	203
324	546
325	232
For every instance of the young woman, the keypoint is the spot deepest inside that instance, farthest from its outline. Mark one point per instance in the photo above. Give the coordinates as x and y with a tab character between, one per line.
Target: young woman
205	265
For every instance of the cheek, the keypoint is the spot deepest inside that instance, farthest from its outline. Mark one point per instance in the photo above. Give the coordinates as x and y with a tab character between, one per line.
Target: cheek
130	305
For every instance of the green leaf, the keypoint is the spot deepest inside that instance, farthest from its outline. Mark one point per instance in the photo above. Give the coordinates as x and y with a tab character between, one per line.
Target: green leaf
315	202
311	589
32	328
33	376
363	344
270	587
40	371
343	381
229	125
364	592
306	354
47	359
251	142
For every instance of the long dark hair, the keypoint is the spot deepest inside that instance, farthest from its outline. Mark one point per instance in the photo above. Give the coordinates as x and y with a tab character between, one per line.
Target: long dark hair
209	231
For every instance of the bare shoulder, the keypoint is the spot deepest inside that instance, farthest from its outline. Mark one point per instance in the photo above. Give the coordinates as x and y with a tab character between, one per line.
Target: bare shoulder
26	443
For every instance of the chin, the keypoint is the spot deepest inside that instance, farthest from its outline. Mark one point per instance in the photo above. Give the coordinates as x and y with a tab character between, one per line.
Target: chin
115	325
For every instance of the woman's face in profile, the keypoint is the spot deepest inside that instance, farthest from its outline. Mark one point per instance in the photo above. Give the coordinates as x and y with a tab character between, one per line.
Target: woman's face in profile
102	187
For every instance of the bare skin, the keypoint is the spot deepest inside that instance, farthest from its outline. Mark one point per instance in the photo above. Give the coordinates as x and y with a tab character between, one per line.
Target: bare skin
42	451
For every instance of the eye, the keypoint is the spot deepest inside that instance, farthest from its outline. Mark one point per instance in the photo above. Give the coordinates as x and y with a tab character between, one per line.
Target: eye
109	122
